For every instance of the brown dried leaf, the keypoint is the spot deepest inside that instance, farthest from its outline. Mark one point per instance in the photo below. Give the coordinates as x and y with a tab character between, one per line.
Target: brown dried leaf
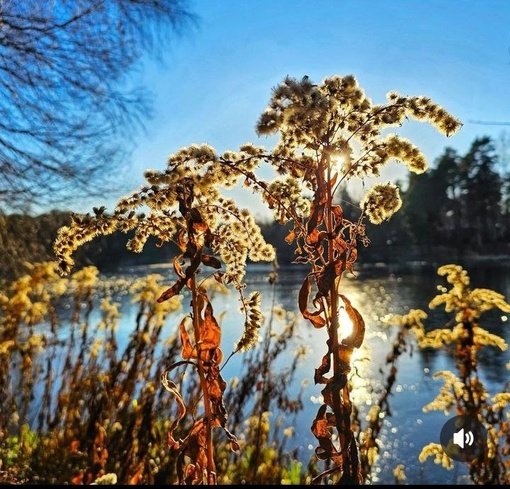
301	259
339	267
316	217
320	429
196	220
171	387
180	239
188	350
190	270
355	339
335	385
326	279
208	237
344	356
173	290
210	331
338	215
313	237
177	262
340	245
314	317
353	255
323	369
211	261
216	387
290	237
195	448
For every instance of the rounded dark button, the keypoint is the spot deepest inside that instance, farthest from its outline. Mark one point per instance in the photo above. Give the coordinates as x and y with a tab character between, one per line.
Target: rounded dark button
464	438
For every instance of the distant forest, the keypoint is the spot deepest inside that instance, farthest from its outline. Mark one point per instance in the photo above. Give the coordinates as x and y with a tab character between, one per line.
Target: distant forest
459	209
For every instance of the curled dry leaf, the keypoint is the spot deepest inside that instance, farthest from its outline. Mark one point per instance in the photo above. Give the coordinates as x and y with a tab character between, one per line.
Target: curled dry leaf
188	349
322	426
183	279
211	261
314	317
171	387
355	339
210	331
325	366
326	279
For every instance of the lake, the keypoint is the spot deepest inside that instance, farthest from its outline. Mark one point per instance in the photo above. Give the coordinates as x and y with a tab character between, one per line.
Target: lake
375	294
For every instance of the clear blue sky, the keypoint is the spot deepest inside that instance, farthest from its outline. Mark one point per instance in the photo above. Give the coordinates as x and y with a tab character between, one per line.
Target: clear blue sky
218	76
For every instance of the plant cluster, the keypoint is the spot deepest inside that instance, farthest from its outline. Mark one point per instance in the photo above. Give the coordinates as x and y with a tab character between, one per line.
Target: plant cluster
82	404
463	392
328	134
65	393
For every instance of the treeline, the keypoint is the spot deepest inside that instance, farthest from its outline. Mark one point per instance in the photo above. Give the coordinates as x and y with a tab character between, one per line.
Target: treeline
459	208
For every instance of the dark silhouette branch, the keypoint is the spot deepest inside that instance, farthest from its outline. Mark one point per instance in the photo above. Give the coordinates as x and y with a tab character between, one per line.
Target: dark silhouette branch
67	110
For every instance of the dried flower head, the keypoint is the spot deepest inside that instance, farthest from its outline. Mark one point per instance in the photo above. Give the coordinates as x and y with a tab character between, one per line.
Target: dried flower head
381	202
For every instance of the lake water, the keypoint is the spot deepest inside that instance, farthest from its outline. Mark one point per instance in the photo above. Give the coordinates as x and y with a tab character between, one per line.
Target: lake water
375	296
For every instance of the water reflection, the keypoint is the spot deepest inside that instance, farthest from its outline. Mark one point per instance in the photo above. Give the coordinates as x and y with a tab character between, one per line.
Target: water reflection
407	429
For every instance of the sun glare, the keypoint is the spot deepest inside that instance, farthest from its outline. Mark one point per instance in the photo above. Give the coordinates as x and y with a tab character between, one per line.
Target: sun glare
345	323
337	162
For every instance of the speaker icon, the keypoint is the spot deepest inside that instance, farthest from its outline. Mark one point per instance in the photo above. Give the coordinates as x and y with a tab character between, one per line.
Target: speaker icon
460	438
464	438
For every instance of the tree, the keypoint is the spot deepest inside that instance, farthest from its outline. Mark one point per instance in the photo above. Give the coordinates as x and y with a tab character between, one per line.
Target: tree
431	209
482	190
418	210
66	109
503	151
446	190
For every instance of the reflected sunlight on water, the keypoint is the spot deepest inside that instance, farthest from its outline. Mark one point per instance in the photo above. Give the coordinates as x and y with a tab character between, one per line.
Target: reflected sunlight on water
406	429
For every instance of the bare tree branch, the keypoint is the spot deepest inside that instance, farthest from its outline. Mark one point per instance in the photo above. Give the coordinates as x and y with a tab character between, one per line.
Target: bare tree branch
67	113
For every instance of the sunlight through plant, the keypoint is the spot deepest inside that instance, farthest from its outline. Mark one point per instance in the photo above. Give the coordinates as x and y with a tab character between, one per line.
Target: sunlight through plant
328	134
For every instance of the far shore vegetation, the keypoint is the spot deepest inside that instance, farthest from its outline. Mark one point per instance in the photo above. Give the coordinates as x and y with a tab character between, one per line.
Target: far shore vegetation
458	210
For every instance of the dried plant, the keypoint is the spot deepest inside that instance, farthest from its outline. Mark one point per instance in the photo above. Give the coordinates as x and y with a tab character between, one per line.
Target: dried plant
328	134
73	402
82	396
187	209
463	392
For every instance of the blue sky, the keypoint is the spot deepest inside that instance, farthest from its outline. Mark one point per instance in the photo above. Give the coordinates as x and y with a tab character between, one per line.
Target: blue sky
217	77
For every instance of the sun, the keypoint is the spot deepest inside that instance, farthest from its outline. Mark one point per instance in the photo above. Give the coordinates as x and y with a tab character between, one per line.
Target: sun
337	162
345	325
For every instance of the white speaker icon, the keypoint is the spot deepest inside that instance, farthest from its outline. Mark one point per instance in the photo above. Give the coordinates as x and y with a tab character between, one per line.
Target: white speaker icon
460	438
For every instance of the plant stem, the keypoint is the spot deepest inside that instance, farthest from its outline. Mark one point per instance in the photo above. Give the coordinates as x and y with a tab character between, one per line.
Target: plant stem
208	417
341	397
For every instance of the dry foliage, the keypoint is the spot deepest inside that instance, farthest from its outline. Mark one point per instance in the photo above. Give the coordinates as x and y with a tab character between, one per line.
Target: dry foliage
328	134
